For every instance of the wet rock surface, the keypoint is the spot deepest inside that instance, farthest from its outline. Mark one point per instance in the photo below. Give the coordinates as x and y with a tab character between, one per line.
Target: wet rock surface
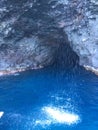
31	32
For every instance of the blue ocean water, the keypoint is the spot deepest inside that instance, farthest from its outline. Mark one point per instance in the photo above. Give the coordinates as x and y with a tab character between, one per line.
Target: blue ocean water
32	100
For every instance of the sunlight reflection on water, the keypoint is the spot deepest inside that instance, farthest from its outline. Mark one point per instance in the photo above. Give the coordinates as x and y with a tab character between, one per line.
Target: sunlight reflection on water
56	115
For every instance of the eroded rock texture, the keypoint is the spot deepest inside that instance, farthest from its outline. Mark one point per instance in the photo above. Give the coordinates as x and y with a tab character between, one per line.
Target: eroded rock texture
79	20
31	31
28	35
83	31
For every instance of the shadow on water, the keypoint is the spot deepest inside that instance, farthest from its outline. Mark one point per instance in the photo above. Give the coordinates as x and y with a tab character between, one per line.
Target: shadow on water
34	99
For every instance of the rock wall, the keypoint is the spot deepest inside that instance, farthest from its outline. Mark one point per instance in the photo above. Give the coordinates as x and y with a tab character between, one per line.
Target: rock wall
79	20
31	32
28	36
83	32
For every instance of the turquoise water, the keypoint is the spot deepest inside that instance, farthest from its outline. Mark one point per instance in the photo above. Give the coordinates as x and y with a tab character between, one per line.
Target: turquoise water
40	99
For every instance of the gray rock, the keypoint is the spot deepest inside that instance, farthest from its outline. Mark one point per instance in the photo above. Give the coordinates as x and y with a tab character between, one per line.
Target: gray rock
79	20
83	34
26	38
28	53
32	31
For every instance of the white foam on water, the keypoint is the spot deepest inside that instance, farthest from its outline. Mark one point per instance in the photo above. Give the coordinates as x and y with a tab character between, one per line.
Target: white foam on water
1	114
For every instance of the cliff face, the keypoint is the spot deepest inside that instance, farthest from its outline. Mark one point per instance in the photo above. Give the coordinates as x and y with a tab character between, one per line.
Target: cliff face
82	31
79	20
31	32
28	36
